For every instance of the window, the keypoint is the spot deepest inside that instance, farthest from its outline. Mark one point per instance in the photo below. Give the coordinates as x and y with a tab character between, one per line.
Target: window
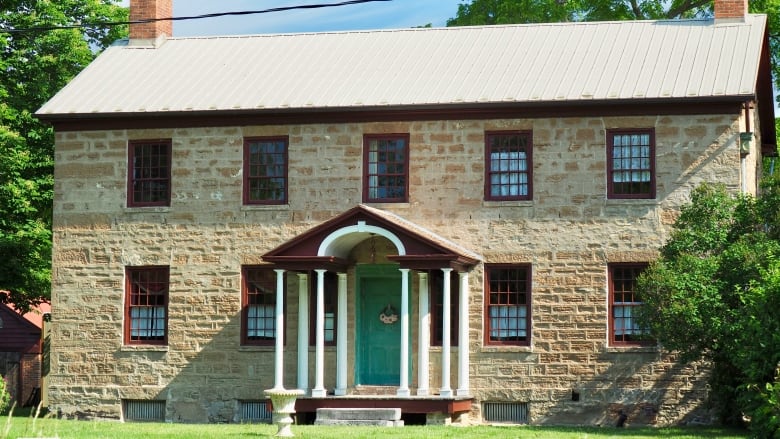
149	179
386	168
265	170
437	307
631	164
146	305
508	304
623	302
259	306
330	297
508	166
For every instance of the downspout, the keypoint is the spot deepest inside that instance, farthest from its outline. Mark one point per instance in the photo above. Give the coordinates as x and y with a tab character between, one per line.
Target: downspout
744	149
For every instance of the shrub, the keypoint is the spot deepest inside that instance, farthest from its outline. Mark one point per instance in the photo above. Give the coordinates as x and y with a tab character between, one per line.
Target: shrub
5	398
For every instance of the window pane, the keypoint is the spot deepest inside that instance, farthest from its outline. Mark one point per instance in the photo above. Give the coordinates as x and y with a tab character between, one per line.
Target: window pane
508	305
631	165
624	302
147	304
508	167
259	305
149	174
265	170
386	169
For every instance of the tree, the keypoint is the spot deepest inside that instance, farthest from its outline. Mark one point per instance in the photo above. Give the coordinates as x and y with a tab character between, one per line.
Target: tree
36	62
482	12
714	293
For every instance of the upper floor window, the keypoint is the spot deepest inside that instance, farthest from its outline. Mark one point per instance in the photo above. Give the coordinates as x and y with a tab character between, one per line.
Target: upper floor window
146	305
265	170
437	307
631	164
623	303
258	315
386	168
330	299
508	304
508	166
149	176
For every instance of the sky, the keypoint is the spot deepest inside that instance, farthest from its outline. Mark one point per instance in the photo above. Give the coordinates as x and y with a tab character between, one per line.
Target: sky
391	14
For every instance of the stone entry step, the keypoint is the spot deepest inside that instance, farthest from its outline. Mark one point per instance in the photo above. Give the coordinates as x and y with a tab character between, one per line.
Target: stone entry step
359	416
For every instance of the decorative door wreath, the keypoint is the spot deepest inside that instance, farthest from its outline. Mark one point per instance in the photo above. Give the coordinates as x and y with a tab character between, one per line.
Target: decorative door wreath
388	316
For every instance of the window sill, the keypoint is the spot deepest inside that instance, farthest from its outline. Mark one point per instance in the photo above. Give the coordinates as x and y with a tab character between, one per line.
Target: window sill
143	348
147	209
634	201
505	348
618	349
250	348
512	203
254	207
385	204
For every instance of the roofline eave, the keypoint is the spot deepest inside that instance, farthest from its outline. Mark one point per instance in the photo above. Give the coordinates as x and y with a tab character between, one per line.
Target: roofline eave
471	110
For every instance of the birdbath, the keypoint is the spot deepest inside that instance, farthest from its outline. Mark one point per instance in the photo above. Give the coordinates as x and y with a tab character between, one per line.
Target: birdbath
283	401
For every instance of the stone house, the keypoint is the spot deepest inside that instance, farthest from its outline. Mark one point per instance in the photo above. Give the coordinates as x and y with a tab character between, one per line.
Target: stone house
447	221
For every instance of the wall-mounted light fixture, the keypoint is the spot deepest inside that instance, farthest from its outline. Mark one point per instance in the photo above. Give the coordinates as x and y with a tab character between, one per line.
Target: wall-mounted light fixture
745	141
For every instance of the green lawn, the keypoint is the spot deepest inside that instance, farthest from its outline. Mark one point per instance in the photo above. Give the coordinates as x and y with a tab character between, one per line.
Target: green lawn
28	427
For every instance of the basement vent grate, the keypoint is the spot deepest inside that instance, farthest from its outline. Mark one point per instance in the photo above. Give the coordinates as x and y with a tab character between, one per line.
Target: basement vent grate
505	412
255	411
144	410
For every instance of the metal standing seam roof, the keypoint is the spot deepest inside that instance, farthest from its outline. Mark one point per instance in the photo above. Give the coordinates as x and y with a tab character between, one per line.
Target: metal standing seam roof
594	61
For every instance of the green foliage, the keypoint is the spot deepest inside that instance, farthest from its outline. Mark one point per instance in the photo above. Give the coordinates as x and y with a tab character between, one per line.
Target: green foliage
5	398
714	293
35	65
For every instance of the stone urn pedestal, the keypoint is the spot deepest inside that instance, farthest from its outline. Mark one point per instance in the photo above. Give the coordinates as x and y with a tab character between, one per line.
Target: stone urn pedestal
283	402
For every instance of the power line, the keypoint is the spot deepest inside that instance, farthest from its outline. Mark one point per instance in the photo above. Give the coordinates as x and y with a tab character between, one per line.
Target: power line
192	17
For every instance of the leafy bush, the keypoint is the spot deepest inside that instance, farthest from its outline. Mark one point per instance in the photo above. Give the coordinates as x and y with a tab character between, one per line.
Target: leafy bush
5	397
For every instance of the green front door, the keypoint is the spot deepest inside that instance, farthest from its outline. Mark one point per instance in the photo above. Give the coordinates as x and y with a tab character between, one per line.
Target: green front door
379	325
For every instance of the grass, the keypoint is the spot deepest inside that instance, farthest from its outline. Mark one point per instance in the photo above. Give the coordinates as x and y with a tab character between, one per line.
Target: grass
26	424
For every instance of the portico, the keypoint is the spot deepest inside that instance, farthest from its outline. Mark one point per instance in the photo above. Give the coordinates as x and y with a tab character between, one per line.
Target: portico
381	263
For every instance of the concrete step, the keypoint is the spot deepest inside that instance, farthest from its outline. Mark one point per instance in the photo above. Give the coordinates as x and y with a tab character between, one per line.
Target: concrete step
393	414
390	417
366	422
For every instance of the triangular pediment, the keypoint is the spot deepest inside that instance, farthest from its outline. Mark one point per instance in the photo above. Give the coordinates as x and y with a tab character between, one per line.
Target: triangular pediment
327	245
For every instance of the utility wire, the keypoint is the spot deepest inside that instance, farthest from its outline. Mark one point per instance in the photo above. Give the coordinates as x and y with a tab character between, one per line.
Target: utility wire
192	17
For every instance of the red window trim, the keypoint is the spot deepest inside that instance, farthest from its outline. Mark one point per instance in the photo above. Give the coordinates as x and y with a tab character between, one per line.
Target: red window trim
367	138
437	291
610	151
130	168
528	300
611	267
164	272
246	192
331	292
245	309
529	164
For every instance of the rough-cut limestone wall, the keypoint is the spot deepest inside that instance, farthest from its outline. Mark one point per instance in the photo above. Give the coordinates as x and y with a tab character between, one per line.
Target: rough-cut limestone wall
569	232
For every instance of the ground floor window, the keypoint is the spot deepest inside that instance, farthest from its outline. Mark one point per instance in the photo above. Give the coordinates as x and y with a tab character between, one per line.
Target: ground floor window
258	316
623	303
507	304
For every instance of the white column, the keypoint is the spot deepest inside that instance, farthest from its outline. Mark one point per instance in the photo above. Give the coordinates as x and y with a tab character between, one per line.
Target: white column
463	336
279	335
403	388
319	351
423	336
341	342
446	390
303	331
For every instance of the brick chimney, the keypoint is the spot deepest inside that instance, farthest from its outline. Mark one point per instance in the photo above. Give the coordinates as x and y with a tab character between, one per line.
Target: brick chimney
730	11
147	9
